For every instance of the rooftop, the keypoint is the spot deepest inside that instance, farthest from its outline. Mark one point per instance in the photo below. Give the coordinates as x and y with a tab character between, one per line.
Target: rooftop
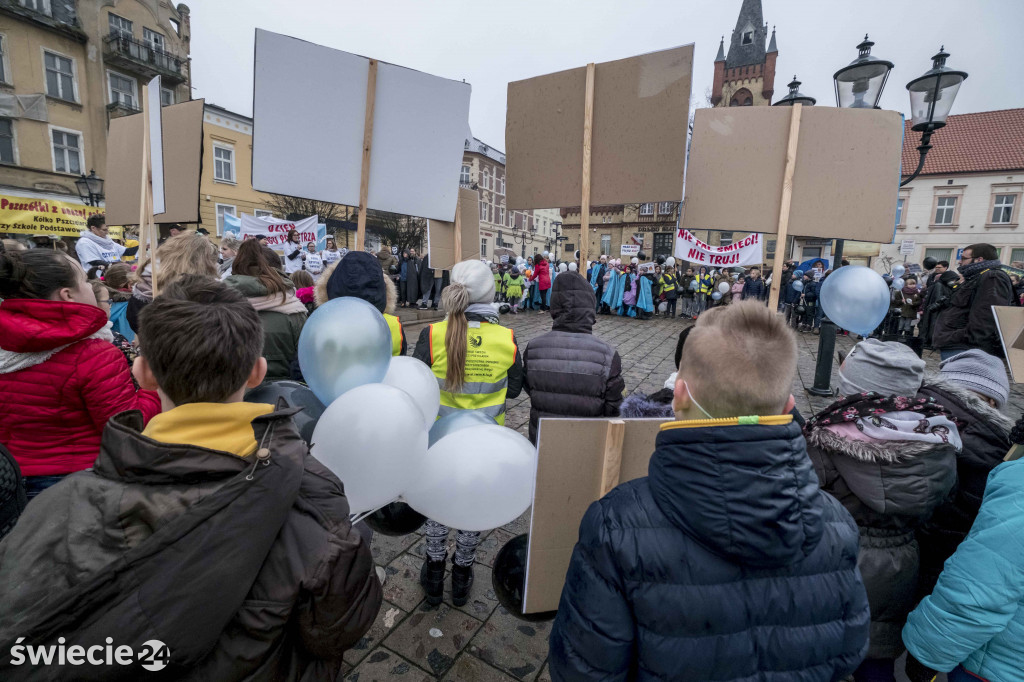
477	146
970	143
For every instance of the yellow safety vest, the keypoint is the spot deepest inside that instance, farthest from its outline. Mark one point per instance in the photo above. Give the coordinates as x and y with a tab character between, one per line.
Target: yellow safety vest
490	352
395	325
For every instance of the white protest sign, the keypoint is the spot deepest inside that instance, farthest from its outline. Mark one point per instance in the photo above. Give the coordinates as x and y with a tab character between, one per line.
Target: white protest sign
154	110
419	129
747	251
907	247
276	230
630	249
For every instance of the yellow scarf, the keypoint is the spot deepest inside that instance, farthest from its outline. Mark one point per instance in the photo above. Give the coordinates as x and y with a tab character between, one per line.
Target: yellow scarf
217	426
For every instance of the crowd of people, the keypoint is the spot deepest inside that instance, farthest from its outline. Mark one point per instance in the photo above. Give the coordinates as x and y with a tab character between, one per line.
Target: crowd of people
763	544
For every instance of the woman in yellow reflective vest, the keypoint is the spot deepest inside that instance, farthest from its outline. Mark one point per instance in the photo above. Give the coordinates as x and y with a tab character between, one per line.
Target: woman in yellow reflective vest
705	284
477	365
359	275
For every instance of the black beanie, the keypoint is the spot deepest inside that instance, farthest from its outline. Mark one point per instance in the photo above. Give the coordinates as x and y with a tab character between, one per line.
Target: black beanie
359	274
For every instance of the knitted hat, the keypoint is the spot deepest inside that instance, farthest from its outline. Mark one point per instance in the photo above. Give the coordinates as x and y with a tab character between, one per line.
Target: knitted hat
477	279
979	372
884	367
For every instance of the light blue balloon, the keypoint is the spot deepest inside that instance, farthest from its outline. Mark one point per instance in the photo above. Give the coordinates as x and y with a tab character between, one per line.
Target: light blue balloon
345	343
855	298
798	285
898	284
460	419
693	285
898	271
717	295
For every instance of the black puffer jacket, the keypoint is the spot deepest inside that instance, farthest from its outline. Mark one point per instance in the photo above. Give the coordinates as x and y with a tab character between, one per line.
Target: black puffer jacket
569	371
890	488
725	563
985	433
246	571
968	321
12	492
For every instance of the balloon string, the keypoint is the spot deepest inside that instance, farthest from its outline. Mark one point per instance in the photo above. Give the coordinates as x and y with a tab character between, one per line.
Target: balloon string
356	518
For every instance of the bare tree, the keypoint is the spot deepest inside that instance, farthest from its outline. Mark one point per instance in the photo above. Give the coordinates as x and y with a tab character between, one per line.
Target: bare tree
284	206
887	263
396	230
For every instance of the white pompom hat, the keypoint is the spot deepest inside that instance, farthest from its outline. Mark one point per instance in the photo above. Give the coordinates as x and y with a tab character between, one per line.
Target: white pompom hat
477	278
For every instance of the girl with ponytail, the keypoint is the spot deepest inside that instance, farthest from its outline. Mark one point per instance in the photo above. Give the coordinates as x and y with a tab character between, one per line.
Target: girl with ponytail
477	363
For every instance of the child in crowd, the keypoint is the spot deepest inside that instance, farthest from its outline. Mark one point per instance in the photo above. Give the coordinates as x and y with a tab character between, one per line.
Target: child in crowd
667	288
909	301
61	378
726	562
304	286
514	288
123	551
257	277
569	371
477	362
889	456
103	302
359	275
117	280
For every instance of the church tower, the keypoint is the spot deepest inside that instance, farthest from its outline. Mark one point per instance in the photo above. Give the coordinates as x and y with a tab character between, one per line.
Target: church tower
746	77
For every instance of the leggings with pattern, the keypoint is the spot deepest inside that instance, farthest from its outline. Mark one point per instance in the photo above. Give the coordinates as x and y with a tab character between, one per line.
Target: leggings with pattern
466	542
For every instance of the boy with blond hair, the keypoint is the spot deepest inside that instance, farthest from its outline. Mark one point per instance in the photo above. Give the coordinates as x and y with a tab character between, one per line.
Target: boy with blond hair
726	562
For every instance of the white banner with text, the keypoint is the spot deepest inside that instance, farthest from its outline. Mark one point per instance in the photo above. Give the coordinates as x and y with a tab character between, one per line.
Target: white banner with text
746	251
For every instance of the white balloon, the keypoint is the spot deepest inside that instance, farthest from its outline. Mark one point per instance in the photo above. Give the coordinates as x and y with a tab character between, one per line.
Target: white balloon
635	260
563	267
572	267
547	254
476	478
670	261
372	438
416	379
722	286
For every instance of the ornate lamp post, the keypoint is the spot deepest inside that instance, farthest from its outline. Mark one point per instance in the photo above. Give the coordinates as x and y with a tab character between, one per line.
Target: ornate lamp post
90	188
795	96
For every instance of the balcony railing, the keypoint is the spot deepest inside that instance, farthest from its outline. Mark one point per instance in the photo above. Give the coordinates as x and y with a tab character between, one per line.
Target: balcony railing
144	58
119	109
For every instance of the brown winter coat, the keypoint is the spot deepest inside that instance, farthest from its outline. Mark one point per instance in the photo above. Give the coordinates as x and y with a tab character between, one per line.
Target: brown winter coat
244	570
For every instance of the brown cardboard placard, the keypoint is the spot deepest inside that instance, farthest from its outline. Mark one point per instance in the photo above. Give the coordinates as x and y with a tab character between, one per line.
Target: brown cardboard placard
1010	323
570	470
183	157
845	183
641	112
441	234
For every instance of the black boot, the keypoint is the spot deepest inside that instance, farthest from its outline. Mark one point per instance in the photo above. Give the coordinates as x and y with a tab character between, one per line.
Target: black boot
462	580
432	580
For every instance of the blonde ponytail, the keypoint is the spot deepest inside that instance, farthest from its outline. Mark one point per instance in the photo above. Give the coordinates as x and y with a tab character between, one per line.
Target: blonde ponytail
455	299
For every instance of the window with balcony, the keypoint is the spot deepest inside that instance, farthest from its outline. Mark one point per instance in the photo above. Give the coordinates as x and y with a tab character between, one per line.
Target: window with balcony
1002	208
67	151
153	39
464	175
223	163
119	26
945	207
646	209
41	6
7	140
60	76
122	90
166	97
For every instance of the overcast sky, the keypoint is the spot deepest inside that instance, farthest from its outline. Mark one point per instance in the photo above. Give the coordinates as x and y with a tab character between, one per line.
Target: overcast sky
489	43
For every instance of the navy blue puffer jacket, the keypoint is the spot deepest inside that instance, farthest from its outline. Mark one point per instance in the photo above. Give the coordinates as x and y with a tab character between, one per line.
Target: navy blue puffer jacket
725	563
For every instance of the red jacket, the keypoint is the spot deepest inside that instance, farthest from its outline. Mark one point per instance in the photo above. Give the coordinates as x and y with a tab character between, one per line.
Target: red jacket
542	273
61	379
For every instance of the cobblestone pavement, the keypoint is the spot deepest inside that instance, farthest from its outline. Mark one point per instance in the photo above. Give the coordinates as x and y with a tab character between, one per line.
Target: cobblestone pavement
481	641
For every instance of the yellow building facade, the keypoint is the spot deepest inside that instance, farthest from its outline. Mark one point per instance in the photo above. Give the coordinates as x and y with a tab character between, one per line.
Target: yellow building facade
66	69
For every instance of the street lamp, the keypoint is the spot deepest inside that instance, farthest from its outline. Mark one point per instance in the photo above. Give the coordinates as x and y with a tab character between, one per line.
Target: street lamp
90	188
795	96
859	85
931	98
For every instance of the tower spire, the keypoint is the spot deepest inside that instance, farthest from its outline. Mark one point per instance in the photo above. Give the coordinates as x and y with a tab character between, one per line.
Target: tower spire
721	50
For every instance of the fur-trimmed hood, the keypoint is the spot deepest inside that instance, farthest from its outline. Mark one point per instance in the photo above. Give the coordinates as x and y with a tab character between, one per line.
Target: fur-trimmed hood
970	401
639	406
390	290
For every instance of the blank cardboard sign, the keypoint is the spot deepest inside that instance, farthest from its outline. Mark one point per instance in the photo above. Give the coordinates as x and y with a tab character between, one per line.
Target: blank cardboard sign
845	183
641	112
570	464
313	148
441	234
182	159
1010	323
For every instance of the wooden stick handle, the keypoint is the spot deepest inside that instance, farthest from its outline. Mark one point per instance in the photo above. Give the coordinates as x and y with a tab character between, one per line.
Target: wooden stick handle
588	134
787	198
612	455
364	180
458	230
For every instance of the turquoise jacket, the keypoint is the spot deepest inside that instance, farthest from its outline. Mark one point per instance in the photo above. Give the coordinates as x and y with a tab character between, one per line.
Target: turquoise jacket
975	615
